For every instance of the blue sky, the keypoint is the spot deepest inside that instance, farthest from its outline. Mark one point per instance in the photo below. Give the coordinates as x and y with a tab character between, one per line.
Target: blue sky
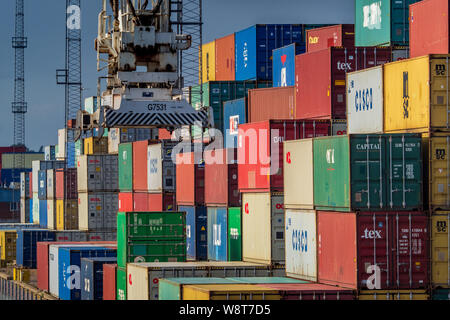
45	29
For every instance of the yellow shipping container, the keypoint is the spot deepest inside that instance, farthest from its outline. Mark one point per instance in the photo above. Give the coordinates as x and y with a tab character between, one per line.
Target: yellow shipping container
440	238
8	245
393	295
67	215
229	292
208	62
96	146
416	94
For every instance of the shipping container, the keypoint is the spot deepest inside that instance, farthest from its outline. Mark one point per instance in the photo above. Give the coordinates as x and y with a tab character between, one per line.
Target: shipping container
342	35
20	160
97	211
126	167
221	178
365	101
254	46
229	292
51	184
260	169
42	184
117	136
161	170
263	228
121	284
234	243
96	173
164	241
162	201
234	114
429	28
217	233
440	239
35	208
94	146
66	184
415	92
368	172
126	203
51	214
69	261
140	202
43	215
225	51
382	22
441	294
90	104
284	64
144	278
190	169
91	275
271	104
61	152
172	288
311	291
8	246
24	185
25	210
49	153
393	295
208	62
66	214
196	232
109	281
140	150
27	245
320	79
301	244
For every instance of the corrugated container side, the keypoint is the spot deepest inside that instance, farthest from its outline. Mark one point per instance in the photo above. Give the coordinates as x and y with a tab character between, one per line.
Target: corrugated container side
192	173
342	35
271	104
140	165
109	281
217	233
196	232
208	62
225	59
440	239
234	114
284	64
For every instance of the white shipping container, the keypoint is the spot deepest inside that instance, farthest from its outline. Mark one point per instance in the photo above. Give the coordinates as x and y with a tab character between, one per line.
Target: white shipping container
51	214
301	244
97	173
24	186
61	144
298	174
24	210
161	173
98	211
263	228
365	101
35	208
35	167
51	184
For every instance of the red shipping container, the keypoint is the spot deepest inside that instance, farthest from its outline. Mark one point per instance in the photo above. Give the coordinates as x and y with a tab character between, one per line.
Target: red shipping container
140	165
221	179
140	202
161	202
126	203
190	180
260	170
353	250
342	35
225	58
271	104
109	281
429	28
42	260
310	291
164	134
70	184
321	82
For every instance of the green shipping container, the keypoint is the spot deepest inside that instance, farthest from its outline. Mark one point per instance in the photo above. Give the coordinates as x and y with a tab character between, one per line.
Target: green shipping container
368	172
215	93
121	284
172	288
126	167
151	237
234	234
441	294
382	22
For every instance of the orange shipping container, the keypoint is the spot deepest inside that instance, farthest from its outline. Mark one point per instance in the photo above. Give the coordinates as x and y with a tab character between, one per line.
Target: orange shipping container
342	35
140	165
271	104
225	57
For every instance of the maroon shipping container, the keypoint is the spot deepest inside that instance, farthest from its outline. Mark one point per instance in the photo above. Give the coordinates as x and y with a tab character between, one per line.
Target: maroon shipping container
342	35
6	215
42	260
162	201
221	178
190	177
70	175
260	170
321	82
311	291
140	202
109	281
140	181
271	104
125	201
359	249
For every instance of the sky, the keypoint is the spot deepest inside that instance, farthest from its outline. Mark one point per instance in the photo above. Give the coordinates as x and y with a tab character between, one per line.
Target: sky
45	28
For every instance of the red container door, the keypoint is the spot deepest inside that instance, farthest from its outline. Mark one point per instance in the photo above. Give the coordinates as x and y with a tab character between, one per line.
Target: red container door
109	281
216	179
155	202
59	184
185	179
140	201
125	201
42	265
140	165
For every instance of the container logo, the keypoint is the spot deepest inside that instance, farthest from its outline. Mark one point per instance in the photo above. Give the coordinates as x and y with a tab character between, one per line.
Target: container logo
279	206
234	233
217	234
246	208
364	100
188	231
300	240
330	156
372	16
245	54
130	281
370	146
288	157
405	95
440	69
313	40
153	166
283	75
441	226
371	234
344	66
234	123
440	154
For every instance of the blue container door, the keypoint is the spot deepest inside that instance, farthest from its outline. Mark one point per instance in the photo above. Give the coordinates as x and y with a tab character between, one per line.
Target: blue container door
245	54
220	237
30	211
71	158
190	231
235	113
43	213
201	233
87	279
42	187
284	65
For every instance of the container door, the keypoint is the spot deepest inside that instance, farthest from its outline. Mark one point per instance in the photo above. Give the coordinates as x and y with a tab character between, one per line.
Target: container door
277	229
439	175
190	232
154	165
200	182
221	234
201	224
234	235
126	167
440	240
212	232
234	196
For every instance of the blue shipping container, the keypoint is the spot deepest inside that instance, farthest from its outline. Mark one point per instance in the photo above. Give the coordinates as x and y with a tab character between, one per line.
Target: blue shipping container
71	156
43	213
254	45
69	261
42	184
6	195
217	233
196	232
284	65
7	177
50	153
31	210
92	277
234	114
26	245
